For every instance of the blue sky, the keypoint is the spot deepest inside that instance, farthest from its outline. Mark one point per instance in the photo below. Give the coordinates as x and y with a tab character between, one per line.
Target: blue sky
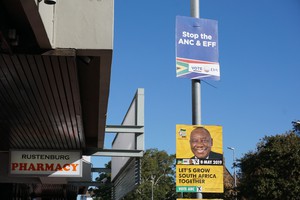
259	55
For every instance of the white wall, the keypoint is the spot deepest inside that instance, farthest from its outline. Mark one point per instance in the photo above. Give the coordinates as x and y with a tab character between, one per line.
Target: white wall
79	24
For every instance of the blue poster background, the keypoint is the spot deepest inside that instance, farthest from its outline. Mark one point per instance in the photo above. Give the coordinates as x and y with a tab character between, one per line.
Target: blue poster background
197	52
197	26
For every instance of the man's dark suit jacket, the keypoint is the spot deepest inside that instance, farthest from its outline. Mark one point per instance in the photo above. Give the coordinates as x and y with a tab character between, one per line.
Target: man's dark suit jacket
213	155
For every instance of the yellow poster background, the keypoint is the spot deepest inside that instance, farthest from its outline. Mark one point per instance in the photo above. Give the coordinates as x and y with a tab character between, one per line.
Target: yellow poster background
183	132
207	177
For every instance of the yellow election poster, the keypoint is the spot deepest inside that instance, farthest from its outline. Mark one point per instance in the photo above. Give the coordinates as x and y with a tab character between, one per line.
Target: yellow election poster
199	159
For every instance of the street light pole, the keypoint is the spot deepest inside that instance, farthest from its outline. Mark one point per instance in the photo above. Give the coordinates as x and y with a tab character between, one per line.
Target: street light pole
152	184
234	172
196	84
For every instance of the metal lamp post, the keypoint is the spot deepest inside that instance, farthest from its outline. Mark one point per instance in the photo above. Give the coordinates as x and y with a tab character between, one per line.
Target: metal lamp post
196	84
234	172
152	184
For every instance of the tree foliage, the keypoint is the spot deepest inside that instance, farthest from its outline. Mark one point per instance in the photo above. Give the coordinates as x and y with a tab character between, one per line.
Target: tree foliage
158	175
272	171
103	192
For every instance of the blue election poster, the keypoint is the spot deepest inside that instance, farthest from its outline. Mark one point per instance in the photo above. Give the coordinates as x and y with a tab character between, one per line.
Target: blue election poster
197	55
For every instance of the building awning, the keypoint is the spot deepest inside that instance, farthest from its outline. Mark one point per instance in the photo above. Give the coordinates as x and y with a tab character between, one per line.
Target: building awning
56	100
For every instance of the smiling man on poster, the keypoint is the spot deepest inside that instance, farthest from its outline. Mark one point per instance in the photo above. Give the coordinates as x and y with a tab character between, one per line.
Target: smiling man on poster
201	143
199	158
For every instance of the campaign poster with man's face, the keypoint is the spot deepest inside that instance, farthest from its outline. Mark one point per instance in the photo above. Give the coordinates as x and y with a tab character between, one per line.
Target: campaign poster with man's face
199	158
